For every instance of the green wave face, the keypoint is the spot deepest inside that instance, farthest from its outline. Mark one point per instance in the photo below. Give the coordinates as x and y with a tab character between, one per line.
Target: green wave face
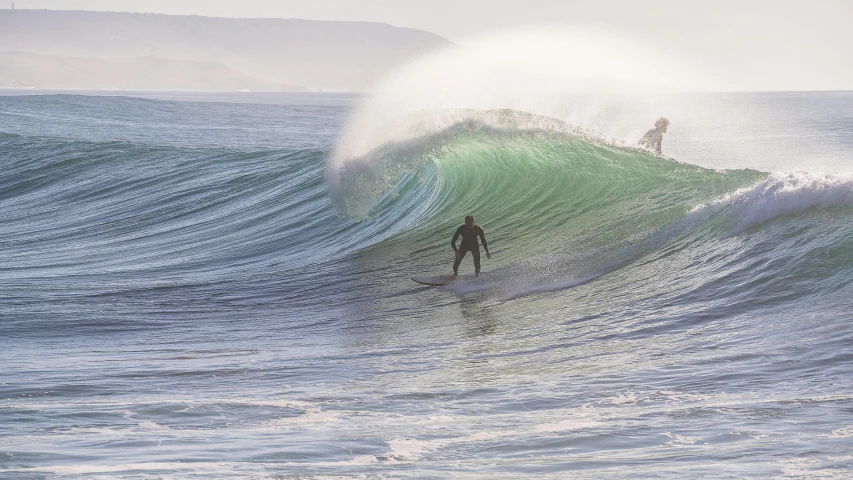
538	192
546	193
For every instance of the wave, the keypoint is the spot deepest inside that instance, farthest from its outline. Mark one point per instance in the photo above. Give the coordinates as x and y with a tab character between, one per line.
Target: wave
538	173
87	208
560	204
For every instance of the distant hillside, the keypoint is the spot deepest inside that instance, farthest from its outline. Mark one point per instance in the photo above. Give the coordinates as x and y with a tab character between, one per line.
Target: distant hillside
343	56
145	73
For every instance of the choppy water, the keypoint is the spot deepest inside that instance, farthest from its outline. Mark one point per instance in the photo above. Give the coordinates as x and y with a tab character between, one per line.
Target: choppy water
197	289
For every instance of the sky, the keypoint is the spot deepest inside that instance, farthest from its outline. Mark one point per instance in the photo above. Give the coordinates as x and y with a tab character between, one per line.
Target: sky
749	44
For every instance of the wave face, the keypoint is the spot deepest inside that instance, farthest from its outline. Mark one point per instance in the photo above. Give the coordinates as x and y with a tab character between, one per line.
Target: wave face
221	278
562	207
76	208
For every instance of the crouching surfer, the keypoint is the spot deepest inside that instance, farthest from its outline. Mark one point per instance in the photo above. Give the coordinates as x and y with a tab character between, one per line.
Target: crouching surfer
469	233
654	137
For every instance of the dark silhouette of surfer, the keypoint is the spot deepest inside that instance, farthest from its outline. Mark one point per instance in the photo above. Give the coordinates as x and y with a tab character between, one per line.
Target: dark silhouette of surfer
653	138
469	233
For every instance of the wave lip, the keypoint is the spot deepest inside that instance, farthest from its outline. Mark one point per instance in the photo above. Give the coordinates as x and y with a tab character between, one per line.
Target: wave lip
529	69
359	184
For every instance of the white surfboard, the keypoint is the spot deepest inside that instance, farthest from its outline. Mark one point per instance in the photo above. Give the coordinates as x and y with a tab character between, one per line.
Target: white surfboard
435	281
440	280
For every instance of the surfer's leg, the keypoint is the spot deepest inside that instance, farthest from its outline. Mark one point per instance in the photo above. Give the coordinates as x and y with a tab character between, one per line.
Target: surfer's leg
476	255
460	255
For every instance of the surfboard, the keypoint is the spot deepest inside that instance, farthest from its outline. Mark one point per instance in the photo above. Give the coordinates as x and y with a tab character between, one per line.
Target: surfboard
435	281
441	280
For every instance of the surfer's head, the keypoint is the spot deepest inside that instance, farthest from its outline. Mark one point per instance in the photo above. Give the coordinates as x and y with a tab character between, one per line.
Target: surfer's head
662	124
469	221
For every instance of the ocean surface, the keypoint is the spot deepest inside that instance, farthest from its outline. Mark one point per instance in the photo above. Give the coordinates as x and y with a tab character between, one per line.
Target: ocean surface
202	286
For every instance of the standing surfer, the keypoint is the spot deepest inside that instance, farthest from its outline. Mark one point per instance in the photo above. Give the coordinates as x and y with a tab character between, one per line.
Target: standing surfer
469	233
654	137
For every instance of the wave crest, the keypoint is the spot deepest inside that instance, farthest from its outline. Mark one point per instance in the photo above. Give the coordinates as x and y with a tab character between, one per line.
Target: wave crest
781	194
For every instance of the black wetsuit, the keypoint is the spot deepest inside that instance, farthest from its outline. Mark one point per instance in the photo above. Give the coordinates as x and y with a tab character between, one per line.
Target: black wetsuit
469	244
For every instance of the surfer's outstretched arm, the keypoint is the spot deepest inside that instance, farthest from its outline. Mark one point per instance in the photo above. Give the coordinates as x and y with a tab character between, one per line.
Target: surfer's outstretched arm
455	237
482	235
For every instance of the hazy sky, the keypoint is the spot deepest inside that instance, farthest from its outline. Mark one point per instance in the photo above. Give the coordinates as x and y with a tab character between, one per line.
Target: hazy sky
752	45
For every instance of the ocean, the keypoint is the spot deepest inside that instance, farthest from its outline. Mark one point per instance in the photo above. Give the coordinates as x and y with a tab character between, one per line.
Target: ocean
211	286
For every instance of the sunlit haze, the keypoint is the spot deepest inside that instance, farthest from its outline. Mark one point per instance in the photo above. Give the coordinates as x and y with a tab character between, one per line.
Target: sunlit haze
753	45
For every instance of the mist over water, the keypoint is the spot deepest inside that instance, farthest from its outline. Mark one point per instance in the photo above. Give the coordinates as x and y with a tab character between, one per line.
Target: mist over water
534	71
597	84
219	286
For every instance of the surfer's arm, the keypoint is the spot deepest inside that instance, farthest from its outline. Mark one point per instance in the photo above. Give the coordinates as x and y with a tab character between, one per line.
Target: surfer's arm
482	235
455	237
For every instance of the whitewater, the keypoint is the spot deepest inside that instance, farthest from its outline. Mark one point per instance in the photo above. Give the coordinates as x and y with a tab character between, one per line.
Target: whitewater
218	286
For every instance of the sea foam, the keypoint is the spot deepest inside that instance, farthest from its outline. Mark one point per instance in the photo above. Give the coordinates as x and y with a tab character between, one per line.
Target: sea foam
780	194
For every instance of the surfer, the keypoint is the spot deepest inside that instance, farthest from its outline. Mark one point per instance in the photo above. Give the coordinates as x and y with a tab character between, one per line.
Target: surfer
469	233
653	138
